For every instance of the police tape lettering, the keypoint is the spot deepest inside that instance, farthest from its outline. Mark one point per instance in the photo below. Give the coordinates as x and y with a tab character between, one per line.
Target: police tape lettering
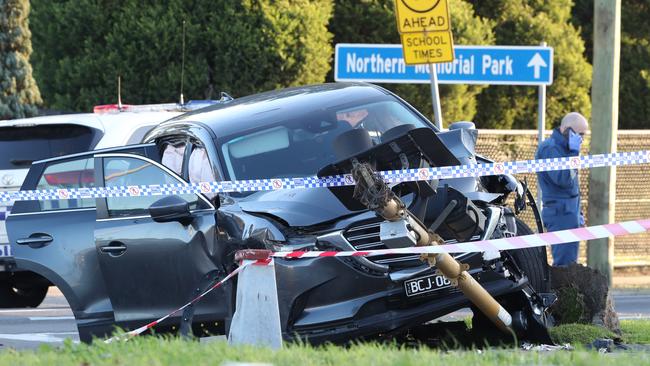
391	176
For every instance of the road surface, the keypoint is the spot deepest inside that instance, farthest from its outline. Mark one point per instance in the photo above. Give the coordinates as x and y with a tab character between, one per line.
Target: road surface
53	321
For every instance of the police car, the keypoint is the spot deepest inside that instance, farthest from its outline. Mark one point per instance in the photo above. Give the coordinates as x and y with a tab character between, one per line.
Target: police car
23	141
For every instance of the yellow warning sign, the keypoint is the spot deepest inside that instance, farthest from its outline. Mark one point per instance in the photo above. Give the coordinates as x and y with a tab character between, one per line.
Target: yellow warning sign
427	48
422	15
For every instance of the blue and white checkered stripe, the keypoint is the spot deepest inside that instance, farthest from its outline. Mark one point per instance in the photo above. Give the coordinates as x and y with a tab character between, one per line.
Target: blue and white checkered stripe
391	176
4	211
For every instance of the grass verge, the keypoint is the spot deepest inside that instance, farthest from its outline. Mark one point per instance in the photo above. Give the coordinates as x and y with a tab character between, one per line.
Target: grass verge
634	332
172	351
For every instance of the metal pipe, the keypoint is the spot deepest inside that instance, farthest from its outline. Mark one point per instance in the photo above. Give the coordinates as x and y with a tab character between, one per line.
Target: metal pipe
450	267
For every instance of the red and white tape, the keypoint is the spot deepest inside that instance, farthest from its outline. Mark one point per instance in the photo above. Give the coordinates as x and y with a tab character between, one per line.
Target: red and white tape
516	242
143	328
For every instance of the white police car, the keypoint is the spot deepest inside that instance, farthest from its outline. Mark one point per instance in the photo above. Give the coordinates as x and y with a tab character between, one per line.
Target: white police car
23	141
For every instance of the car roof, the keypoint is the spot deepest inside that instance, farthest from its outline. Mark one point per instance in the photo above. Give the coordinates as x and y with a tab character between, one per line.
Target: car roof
83	119
116	127
270	107
120	126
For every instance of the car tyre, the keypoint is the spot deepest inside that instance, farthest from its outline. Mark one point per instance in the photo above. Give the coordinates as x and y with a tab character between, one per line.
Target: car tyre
28	297
532	261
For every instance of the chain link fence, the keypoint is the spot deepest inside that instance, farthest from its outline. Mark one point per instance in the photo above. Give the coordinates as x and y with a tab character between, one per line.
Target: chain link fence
632	184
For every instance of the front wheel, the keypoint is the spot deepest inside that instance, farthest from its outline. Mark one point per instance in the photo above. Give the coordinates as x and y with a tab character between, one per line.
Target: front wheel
532	261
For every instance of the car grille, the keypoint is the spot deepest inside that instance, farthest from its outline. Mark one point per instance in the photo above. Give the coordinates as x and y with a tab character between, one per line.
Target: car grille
365	236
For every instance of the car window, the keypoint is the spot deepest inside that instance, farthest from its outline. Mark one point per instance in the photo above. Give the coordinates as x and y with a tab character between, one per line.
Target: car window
20	146
66	175
172	157
124	171
200	169
301	145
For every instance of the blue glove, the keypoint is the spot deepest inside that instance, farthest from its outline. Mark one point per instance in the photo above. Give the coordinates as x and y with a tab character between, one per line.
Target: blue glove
575	141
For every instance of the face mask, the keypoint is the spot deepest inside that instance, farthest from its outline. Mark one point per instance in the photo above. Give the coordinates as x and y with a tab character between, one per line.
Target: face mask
575	141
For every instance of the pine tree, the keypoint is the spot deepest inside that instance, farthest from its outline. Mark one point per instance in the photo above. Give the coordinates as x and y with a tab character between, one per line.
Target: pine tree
19	93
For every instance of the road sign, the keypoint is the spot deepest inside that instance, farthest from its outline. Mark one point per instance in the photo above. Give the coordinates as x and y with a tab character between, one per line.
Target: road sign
426	48
422	15
506	65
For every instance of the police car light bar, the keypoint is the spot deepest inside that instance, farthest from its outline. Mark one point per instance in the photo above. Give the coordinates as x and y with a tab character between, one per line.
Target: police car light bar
163	107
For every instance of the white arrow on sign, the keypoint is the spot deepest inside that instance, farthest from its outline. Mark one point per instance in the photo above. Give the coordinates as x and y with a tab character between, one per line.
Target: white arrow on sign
537	62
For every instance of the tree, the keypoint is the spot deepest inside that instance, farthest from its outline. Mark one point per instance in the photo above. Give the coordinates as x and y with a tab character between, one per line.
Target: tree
20	94
529	22
241	47
634	83
373	21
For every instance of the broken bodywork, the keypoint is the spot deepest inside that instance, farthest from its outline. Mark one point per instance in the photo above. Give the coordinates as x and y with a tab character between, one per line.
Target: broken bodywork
338	299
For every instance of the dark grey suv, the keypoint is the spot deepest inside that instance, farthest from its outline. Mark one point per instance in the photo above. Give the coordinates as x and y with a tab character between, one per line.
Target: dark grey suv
128	260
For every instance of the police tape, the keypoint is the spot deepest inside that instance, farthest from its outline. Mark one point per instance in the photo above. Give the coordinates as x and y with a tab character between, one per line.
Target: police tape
509	243
265	257
390	176
148	326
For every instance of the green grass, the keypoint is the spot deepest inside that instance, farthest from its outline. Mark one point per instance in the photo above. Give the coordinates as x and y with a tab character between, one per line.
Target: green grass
636	331
579	333
156	351
173	351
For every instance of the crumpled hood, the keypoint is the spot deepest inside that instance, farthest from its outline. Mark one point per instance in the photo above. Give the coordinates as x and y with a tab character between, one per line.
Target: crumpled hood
298	207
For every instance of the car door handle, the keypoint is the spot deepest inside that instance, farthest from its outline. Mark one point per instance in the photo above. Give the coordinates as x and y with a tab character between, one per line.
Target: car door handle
113	249
35	240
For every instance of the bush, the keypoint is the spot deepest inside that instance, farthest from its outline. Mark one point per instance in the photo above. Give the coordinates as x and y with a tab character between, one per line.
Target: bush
81	46
373	21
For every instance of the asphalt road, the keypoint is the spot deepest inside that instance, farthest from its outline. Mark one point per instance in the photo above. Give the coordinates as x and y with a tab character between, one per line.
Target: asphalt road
53	322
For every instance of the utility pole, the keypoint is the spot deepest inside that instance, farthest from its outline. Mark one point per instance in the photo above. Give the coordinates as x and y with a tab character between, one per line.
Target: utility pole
604	129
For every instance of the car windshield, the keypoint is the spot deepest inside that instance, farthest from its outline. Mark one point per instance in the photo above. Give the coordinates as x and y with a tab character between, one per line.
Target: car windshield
300	146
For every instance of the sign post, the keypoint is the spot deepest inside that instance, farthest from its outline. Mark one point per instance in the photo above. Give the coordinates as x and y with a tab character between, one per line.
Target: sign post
537	62
425	32
604	101
435	97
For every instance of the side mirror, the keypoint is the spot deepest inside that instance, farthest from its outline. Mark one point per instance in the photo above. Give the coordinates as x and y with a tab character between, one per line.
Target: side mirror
172	208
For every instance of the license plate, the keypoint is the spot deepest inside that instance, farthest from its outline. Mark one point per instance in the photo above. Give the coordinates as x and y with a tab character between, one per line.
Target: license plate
423	285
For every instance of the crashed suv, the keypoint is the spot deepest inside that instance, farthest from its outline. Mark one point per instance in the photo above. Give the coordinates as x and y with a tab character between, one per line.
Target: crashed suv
126	261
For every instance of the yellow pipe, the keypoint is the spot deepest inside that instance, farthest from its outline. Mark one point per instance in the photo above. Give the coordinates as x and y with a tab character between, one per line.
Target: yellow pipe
450	267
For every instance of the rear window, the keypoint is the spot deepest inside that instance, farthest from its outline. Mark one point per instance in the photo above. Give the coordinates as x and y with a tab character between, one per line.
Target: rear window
20	146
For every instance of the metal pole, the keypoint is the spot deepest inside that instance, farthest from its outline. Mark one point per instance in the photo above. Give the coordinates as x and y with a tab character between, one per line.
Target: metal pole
604	129
541	124
435	96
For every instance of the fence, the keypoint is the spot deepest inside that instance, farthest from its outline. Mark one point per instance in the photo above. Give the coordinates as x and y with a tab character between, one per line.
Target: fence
632	184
